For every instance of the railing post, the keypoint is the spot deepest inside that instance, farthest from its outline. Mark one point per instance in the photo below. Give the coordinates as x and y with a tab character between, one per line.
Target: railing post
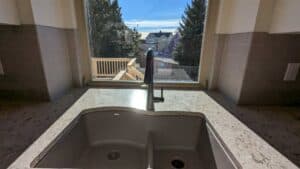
94	68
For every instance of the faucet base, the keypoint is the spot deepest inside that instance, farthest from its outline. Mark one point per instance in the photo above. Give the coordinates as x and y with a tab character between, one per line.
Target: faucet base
150	98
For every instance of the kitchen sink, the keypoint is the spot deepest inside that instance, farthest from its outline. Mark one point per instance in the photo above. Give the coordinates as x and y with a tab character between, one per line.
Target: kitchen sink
123	138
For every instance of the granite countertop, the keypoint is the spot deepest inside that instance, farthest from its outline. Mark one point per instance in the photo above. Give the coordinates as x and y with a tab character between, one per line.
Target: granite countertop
250	151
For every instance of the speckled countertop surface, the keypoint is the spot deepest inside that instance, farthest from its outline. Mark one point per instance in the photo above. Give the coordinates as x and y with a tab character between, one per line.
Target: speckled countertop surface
248	149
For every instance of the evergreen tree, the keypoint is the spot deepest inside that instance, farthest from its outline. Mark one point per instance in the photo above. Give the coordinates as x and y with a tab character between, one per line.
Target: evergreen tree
115	12
191	28
135	42
178	52
97	17
109	36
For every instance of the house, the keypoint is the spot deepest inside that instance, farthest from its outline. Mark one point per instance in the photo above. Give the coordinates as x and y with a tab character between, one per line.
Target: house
159	40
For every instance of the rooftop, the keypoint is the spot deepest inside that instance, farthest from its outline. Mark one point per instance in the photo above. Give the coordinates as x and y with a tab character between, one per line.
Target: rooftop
160	34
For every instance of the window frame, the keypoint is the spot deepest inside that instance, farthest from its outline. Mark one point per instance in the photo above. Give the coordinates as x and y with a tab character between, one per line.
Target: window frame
206	64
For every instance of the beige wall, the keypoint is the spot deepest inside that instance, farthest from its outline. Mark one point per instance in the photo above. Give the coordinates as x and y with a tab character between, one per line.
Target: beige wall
264	16
236	16
233	51
286	16
8	12
54	13
46	50
273	16
25	12
267	63
253	58
22	63
54	48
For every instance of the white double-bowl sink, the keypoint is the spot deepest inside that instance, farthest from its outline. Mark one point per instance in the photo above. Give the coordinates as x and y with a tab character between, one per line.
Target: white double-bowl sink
125	138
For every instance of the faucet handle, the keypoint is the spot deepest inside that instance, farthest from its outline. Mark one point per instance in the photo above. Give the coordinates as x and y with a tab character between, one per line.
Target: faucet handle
161	98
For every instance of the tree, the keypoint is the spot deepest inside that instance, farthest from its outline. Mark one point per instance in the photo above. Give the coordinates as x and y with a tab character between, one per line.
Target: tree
97	16
188	50
178	52
135	42
109	36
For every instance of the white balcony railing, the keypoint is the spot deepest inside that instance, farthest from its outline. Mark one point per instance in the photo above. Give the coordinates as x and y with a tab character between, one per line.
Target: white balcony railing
115	69
108	67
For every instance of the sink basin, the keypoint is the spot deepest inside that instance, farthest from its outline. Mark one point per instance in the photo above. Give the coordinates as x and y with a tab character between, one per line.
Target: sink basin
121	138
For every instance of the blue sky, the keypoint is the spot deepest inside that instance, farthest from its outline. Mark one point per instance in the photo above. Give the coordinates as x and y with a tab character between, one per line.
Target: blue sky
153	15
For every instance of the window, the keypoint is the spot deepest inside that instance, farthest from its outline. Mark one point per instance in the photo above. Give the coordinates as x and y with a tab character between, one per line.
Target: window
121	31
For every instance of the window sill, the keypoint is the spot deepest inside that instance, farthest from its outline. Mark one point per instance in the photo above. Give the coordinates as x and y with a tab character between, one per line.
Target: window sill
139	85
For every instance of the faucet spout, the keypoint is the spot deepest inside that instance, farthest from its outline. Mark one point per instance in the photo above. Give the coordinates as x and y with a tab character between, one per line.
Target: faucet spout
148	79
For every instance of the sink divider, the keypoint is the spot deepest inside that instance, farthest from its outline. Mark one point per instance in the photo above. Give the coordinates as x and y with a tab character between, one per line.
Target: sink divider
150	151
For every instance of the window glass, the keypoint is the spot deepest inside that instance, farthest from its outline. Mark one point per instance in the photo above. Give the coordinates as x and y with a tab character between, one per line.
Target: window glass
121	32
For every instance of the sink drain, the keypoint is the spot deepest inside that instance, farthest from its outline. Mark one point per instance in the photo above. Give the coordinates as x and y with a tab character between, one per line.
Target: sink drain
178	164
113	155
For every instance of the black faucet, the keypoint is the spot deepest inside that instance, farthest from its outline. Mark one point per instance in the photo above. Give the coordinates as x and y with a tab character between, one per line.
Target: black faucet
148	80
